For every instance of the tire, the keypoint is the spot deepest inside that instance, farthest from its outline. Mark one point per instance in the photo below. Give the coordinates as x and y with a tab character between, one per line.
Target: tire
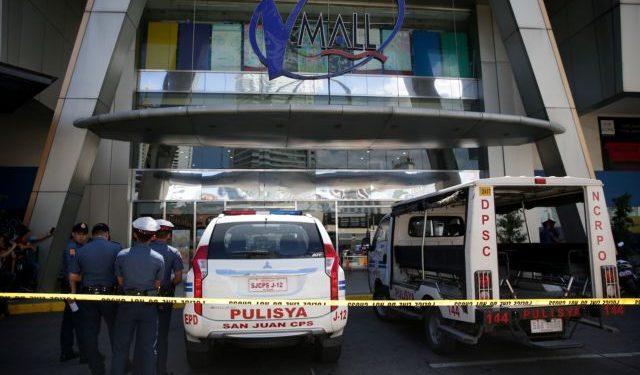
199	360
328	354
439	342
382	313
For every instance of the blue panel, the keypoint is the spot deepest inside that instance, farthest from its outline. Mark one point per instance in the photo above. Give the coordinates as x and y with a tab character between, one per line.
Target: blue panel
616	183
194	47
14	196
427	54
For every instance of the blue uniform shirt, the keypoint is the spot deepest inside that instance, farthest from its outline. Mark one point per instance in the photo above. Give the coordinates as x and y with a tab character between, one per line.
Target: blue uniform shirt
140	266
172	260
95	262
68	255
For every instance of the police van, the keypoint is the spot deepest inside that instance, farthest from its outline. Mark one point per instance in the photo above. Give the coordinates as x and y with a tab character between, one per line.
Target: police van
498	239
249	255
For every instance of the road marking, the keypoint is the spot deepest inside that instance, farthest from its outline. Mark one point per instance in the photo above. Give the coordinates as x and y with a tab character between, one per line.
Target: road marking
533	359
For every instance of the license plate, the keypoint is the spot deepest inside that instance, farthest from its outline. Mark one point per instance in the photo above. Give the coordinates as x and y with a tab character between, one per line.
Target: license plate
544	326
278	284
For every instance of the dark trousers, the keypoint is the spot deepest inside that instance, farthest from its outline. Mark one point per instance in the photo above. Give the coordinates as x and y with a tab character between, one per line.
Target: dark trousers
143	319
91	315
6	283
164	320
69	329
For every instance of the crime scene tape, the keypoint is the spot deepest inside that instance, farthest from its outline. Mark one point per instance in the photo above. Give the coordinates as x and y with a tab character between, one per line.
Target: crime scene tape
350	303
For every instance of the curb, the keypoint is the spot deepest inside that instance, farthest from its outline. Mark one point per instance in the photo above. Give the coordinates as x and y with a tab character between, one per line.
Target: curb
55	307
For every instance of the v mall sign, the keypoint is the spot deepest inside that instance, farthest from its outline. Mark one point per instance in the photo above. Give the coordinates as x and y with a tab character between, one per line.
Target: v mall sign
277	34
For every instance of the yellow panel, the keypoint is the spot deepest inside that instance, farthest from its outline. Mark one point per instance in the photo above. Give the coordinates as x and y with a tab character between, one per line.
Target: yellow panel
162	41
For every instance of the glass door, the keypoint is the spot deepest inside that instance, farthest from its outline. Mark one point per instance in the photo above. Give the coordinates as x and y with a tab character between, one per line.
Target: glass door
181	214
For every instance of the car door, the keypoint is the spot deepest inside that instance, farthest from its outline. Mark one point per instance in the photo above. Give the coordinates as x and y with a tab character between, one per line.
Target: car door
378	257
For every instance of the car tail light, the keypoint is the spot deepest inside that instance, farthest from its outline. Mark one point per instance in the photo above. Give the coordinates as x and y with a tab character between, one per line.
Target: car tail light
483	285
200	271
331	265
610	285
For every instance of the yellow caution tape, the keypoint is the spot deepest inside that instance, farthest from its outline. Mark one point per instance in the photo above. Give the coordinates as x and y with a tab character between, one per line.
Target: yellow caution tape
360	303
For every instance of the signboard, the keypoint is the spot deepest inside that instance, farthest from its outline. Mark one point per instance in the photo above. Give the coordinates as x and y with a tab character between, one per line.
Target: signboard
620	142
349	45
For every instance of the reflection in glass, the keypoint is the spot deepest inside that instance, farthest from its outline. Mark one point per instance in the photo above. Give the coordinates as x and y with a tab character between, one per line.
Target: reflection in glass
205	212
152	209
180	214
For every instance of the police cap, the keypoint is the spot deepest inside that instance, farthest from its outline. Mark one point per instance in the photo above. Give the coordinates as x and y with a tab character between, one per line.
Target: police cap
81	227
165	224
146	224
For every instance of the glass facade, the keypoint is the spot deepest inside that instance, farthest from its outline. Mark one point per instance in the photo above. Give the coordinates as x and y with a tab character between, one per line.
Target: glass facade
199	53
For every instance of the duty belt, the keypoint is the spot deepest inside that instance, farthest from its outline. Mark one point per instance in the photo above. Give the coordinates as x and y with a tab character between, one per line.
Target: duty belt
97	290
135	292
166	292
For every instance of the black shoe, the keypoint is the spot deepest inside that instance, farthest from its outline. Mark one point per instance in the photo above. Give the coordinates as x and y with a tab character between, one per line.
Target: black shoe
64	357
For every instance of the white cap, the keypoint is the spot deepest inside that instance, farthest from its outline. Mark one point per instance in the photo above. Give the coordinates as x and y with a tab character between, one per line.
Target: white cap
146	224
164	224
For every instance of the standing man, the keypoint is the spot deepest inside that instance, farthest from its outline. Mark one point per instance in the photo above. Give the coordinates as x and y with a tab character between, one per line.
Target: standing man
139	270
93	265
70	319
172	265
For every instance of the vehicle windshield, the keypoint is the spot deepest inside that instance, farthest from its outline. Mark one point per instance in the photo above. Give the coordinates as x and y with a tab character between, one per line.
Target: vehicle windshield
265	240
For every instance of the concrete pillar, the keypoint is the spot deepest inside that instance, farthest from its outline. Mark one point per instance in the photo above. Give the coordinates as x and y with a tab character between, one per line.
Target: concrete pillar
106	32
500	95
526	32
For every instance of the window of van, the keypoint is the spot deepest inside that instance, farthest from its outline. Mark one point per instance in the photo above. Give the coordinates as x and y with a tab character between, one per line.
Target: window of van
265	240
437	226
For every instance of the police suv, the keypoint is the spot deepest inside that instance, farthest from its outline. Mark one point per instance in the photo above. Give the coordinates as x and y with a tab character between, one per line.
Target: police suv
250	255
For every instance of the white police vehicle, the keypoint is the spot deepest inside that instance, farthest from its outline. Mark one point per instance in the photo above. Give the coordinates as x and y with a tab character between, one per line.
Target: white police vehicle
280	255
487	239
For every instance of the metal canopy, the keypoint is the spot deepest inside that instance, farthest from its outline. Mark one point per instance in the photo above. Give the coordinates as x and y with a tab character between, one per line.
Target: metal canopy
19	85
318	127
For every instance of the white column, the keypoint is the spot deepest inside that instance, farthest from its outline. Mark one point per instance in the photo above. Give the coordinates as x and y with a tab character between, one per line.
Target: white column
105	35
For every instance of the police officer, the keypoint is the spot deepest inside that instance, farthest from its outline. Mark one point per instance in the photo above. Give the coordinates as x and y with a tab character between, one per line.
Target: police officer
139	270
70	320
172	265
94	266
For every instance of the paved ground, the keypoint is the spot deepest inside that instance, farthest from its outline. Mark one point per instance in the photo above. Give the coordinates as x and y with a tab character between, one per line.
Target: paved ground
29	345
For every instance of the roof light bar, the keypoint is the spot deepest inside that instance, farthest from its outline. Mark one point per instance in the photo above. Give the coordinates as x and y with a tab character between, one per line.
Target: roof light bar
286	212
239	212
540	180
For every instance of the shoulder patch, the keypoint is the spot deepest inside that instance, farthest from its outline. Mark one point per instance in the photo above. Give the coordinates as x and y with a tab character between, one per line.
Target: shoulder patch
72	252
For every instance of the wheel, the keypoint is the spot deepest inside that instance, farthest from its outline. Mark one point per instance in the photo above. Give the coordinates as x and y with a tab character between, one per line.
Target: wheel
383	313
327	354
438	341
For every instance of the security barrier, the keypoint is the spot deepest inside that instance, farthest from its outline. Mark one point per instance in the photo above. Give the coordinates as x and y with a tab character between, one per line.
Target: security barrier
515	303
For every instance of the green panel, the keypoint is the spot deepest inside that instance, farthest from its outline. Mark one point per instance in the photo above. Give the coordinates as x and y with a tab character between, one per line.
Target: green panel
455	55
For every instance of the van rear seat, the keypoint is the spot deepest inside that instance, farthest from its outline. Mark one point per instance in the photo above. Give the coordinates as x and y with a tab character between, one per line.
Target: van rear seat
551	259
439	258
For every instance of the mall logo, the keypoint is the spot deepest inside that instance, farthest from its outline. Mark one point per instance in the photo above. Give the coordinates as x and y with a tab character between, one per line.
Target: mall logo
278	33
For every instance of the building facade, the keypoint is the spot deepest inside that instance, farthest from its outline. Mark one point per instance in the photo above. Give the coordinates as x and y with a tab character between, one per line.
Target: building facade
182	109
